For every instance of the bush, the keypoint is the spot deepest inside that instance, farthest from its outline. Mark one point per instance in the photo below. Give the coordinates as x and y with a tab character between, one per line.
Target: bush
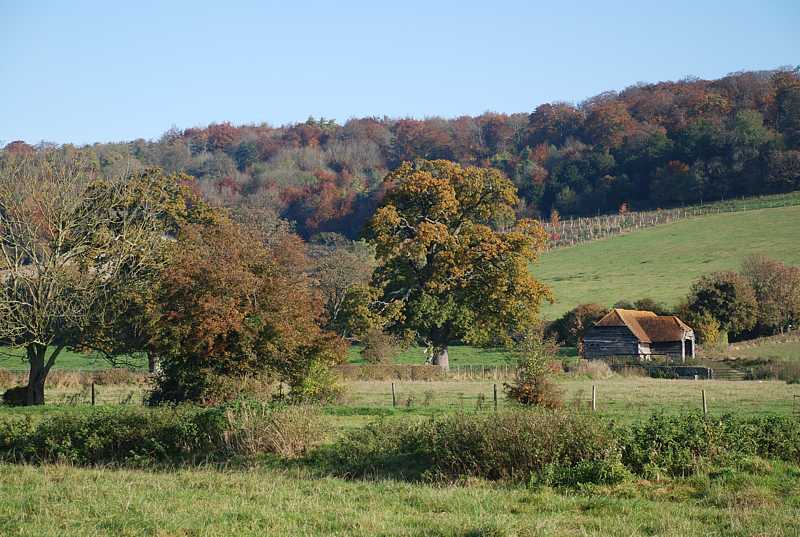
558	448
788	371
119	375
16	396
532	385
165	435
595	472
685	444
319	385
378	347
390	372
254	428
114	435
504	446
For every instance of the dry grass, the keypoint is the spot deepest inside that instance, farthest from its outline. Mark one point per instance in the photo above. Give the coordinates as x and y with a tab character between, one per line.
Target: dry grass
625	397
289	431
594	369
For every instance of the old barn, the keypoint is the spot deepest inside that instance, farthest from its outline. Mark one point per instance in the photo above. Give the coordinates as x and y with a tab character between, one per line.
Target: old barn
639	333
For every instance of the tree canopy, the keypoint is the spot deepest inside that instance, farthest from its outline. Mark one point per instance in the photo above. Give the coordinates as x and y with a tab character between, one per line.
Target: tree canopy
646	146
230	307
71	245
452	260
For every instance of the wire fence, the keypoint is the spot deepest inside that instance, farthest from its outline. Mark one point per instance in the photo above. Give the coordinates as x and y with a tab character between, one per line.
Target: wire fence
572	231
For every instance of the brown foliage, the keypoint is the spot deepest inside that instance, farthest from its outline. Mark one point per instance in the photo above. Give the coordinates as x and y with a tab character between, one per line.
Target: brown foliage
229	306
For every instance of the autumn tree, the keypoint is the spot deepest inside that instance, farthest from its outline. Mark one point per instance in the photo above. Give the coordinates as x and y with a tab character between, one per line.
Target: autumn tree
777	292
174	202
570	327
342	269
444	268
70	244
726	297
231	307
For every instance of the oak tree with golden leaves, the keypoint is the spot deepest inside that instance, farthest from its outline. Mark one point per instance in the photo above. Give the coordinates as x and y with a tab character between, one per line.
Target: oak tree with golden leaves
453	262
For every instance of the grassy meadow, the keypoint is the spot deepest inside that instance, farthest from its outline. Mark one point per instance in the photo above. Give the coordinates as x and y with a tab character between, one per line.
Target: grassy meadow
779	350
662	262
14	359
619	397
56	500
273	496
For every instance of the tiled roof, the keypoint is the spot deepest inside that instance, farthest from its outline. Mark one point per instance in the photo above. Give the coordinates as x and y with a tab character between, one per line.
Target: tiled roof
646	325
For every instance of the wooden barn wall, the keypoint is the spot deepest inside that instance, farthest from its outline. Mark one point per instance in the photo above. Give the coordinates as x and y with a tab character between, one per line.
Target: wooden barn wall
602	341
672	348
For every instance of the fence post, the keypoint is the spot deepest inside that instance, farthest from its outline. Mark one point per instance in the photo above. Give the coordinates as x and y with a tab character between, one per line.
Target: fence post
494	387
92	393
705	403
394	398
594	398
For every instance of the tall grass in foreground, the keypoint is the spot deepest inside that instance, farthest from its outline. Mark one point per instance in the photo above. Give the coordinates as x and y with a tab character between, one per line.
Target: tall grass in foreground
558	447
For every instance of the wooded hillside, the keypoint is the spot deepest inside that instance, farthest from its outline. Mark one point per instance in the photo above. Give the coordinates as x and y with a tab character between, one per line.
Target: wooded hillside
647	146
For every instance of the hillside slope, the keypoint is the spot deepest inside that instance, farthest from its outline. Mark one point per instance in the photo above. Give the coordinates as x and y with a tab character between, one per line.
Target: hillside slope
662	262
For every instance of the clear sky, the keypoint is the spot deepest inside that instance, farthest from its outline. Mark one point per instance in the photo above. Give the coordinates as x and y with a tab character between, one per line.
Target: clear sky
81	72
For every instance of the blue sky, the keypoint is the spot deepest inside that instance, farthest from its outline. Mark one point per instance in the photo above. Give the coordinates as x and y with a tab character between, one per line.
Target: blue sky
83	72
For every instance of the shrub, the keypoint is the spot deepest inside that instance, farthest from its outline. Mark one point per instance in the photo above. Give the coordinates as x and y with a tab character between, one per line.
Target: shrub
788	371
504	446
16	396
319	385
119	375
67	379
114	435
390	372
169	435
253	428
596	472
682	445
532	385
378	347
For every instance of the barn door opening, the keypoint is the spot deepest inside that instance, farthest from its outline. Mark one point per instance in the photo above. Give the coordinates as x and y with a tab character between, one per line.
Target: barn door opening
688	348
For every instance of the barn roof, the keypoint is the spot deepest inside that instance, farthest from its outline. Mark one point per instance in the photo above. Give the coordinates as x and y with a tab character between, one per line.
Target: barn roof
646	325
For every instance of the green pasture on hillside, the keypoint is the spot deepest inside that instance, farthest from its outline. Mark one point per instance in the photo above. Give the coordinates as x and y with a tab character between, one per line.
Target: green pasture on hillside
663	262
784	350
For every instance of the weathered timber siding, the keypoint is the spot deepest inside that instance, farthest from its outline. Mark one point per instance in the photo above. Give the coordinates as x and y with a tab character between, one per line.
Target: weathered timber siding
601	341
668	348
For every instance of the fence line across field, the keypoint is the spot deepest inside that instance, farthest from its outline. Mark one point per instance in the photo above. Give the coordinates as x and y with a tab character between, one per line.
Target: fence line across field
572	231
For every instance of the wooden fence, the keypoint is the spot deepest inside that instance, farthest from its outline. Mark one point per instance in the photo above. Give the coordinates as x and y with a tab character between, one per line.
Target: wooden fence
572	231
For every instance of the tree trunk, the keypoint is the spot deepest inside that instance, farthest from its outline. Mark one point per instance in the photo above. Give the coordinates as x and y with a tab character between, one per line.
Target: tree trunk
37	376
441	358
152	363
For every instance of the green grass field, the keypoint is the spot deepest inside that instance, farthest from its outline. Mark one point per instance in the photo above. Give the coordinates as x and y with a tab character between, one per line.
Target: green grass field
662	262
270	496
14	359
784	350
51	501
618	397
